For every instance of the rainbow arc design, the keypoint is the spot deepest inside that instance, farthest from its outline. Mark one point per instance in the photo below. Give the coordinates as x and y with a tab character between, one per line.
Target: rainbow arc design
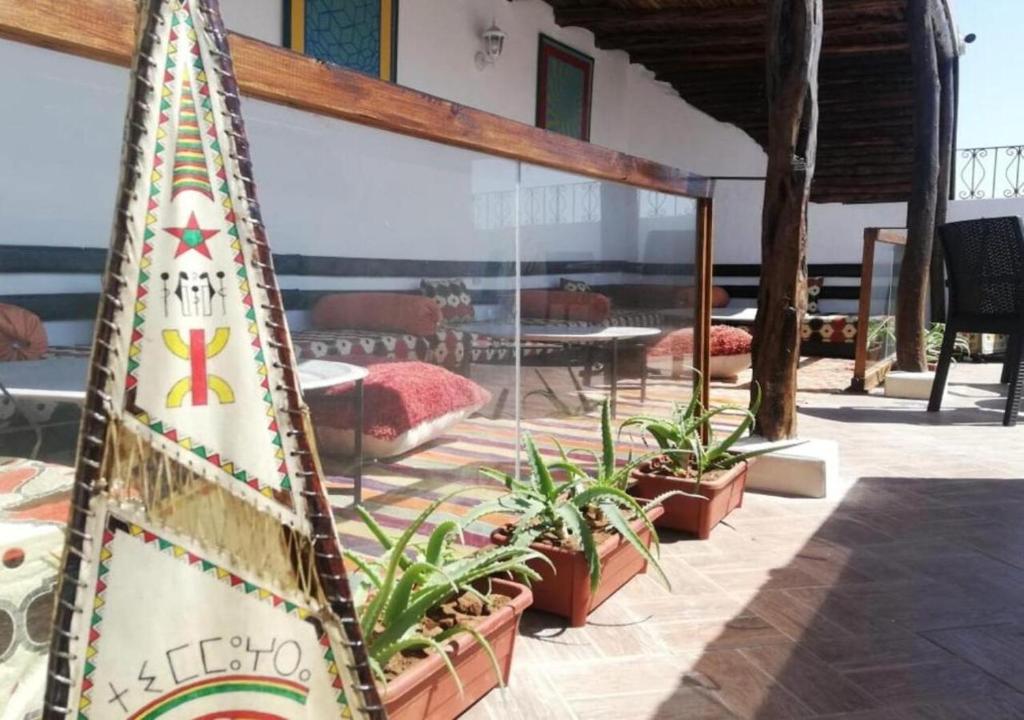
222	685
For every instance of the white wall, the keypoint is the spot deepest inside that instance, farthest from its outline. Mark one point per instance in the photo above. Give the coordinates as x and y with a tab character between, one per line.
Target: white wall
58	180
632	113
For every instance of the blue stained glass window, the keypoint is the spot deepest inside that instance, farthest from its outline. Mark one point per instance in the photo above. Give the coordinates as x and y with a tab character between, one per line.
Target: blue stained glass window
344	32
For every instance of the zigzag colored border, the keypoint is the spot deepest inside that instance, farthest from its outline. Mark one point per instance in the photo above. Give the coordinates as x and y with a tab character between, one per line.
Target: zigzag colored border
184	555
182	16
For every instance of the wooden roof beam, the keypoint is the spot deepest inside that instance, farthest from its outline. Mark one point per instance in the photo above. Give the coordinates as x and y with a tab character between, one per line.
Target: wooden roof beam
602	16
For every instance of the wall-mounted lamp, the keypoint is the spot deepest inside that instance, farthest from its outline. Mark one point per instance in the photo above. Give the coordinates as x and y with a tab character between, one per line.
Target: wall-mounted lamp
494	40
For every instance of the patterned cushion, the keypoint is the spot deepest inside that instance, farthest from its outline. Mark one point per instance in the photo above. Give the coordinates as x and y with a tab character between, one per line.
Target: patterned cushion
829	329
447	347
814	285
571	285
627	317
452	297
342	343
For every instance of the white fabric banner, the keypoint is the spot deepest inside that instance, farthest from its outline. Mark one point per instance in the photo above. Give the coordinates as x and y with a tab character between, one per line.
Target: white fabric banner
191	637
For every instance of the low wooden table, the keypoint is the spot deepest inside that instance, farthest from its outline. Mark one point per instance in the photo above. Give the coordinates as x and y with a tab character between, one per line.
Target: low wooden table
611	337
734	316
63	379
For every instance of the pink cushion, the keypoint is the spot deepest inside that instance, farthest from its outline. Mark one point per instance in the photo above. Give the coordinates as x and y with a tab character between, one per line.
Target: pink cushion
565	305
719	297
725	340
405	405
22	335
391	312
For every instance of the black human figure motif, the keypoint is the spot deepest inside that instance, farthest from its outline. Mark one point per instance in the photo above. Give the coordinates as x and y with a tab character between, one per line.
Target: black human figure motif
220	291
195	292
166	293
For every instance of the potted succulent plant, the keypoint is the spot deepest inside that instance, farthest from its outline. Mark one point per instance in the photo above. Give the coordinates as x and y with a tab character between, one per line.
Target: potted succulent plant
594	534
439	626
933	337
708	477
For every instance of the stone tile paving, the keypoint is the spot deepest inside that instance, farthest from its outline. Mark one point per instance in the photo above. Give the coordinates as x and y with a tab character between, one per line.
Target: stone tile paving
899	596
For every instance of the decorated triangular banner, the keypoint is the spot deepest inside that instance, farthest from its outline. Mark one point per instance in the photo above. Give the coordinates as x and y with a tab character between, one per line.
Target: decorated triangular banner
203	575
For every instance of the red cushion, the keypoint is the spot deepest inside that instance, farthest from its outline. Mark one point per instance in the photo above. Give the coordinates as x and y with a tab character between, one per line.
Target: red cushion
719	297
651	296
399	397
565	305
392	312
22	335
725	340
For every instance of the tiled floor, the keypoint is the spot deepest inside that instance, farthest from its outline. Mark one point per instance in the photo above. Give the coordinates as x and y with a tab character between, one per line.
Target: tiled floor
899	596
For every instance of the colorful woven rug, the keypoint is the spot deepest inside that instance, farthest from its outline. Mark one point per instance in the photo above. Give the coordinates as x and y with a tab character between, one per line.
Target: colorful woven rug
395	491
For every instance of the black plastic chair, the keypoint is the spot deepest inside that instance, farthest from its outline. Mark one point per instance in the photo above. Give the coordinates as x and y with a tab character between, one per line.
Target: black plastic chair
985	263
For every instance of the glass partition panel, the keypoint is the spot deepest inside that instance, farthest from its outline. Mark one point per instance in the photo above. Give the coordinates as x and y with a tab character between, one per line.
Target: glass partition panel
480	296
882	320
876	348
607	304
391	249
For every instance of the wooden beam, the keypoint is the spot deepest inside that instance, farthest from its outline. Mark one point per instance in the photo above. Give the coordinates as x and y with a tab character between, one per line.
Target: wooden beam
794	46
912	294
599	15
104	30
705	273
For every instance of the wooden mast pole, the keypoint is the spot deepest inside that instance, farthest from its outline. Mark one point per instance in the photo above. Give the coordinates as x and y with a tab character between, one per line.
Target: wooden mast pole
794	46
912	295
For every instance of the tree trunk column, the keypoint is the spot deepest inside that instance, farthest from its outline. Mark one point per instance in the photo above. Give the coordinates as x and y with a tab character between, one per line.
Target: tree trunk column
912	294
947	121
794	45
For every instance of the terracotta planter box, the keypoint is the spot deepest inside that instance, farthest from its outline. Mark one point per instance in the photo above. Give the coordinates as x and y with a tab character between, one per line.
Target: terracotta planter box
427	691
565	590
724	494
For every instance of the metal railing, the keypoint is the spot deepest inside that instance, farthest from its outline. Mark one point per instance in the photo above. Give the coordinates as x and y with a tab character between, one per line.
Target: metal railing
990	172
543	205
567	203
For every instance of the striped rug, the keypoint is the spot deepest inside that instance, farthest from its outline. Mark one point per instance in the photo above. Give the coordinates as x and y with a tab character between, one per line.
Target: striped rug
397	490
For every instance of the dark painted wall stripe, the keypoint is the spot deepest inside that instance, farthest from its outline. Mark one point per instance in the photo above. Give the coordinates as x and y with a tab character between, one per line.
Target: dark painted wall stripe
846	270
82	306
835	292
54	259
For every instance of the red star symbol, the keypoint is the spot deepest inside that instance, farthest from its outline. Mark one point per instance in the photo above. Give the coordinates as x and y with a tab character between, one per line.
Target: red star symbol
192	237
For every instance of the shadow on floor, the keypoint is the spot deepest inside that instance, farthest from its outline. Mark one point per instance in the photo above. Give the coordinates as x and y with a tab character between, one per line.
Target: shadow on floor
907	602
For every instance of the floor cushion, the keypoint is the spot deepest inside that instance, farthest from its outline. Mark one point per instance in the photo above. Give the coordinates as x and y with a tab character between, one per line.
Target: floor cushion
730	349
383	311
725	340
22	335
406	404
651	296
556	305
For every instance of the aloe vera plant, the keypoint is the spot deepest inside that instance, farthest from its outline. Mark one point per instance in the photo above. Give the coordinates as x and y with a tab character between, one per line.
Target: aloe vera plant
933	337
395	592
565	509
680	437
